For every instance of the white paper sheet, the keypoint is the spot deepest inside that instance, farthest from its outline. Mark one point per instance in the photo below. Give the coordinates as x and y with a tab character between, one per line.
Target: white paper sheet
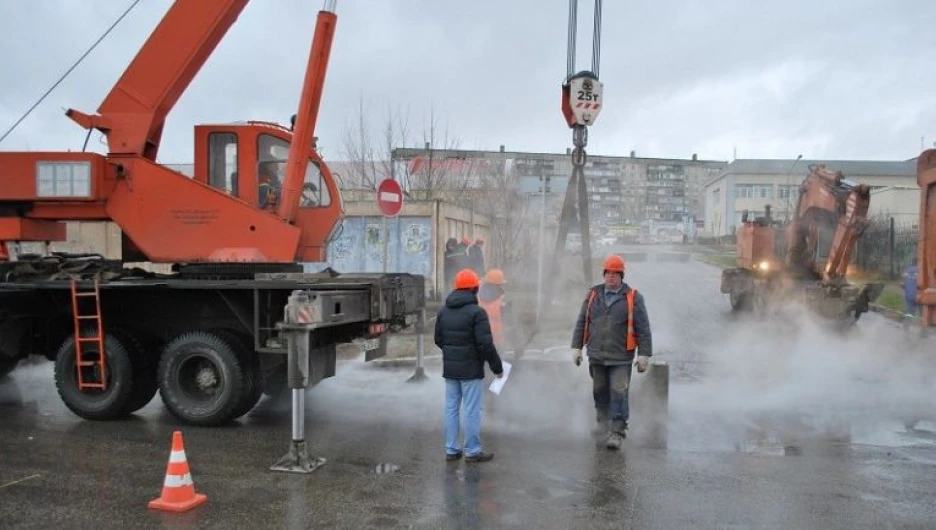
498	384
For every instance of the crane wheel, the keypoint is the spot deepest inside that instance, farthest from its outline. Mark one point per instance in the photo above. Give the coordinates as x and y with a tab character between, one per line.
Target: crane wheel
250	363
95	404
201	380
144	371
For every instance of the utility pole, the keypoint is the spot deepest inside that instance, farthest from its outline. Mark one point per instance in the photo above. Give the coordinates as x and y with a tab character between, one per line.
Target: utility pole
789	194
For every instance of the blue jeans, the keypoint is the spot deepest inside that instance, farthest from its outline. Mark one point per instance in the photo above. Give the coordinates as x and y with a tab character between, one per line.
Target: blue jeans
468	391
609	388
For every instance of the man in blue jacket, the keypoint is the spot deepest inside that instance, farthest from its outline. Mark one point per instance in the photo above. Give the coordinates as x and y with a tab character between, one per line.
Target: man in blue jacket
463	332
614	325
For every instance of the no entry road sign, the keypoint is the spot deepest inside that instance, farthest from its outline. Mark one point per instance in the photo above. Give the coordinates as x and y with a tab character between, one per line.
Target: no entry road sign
389	197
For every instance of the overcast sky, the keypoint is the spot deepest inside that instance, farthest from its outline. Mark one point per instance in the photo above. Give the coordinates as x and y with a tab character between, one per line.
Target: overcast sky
829	79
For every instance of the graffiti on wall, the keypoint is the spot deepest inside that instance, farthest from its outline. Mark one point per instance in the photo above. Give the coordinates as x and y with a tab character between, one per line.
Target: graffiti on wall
359	248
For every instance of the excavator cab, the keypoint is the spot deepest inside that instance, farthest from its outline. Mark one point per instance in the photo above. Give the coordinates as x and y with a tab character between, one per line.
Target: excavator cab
247	160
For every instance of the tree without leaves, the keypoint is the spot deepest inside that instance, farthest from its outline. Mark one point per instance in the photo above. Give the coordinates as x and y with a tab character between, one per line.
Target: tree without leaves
368	161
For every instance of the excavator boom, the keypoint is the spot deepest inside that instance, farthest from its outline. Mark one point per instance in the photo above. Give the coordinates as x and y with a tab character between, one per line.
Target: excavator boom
827	199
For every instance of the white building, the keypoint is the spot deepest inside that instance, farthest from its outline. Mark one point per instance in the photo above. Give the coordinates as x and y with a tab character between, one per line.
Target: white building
752	184
902	203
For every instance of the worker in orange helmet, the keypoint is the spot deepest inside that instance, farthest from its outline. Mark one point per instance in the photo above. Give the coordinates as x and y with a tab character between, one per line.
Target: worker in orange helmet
492	298
614	326
463	333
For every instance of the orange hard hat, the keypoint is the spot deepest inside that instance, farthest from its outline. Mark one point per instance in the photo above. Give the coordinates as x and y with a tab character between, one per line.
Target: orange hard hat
495	277
466	279
614	263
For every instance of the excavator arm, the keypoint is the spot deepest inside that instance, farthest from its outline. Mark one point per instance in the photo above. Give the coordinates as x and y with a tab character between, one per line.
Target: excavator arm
830	207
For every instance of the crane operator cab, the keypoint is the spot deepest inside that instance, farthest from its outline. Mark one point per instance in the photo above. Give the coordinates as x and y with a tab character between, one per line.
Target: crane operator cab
247	160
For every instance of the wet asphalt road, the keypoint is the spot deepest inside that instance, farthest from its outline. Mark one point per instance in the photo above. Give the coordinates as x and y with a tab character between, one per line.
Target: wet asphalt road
772	425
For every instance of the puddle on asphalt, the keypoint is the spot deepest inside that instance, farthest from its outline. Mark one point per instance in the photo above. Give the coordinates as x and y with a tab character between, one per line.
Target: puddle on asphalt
768	448
386	468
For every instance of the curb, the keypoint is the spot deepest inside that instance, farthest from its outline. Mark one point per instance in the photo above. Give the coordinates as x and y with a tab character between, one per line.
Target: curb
397	362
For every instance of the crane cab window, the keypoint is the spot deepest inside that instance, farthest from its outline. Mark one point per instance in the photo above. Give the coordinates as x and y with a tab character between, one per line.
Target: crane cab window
222	162
272	154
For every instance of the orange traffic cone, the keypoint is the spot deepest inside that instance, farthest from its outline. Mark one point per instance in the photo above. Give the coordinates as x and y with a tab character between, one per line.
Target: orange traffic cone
178	493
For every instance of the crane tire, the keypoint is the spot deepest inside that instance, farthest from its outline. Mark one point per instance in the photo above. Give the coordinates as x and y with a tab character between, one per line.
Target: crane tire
144	371
250	364
94	404
200	377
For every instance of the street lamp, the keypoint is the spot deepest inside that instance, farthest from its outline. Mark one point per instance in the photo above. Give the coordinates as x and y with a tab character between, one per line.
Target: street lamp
789	176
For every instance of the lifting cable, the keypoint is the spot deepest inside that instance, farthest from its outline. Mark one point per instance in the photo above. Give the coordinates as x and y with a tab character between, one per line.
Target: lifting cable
69	71
587	95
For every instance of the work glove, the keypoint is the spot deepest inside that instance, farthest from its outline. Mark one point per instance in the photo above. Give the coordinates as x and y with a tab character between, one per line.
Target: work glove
577	356
499	375
642	362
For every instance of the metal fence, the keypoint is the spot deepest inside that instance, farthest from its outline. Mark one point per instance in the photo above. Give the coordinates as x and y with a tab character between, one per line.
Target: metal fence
886	248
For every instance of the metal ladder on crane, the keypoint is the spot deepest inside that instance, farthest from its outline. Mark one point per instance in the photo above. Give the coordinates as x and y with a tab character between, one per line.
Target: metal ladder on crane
97	378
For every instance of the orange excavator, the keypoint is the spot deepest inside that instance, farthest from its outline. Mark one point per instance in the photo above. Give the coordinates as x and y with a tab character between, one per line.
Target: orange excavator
831	214
260	203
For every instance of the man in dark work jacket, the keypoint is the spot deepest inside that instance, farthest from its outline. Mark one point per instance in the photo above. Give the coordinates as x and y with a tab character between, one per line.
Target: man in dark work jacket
463	332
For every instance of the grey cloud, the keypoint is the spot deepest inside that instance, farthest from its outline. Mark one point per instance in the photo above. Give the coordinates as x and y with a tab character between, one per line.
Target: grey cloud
834	79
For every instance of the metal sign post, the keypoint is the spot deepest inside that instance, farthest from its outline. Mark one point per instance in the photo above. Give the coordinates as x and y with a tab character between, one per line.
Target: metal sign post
390	203
420	374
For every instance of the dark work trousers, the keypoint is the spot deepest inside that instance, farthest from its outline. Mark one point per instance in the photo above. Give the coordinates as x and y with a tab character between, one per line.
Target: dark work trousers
610	384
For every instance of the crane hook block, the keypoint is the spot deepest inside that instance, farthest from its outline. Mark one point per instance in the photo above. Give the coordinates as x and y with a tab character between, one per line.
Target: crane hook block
582	99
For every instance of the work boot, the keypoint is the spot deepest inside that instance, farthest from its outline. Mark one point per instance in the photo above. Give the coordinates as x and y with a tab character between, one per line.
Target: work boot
480	457
452	456
617	435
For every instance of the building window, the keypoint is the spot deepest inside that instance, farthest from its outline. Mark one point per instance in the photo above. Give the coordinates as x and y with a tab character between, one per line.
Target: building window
763	191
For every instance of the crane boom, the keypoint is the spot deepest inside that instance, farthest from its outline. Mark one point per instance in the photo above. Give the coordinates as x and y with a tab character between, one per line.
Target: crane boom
134	112
225	210
309	104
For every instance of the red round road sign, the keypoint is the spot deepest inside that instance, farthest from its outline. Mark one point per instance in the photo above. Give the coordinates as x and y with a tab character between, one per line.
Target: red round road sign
389	197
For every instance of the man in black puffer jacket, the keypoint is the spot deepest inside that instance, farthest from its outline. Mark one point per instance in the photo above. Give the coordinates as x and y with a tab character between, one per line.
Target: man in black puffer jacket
463	332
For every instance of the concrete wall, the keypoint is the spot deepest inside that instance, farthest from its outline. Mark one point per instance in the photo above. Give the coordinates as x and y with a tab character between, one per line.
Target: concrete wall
416	241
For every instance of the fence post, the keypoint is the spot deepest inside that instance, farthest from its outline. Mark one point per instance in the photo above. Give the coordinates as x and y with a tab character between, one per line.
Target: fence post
890	234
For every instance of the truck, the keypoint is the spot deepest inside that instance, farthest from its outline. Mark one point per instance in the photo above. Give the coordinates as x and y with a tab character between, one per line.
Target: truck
233	238
829	217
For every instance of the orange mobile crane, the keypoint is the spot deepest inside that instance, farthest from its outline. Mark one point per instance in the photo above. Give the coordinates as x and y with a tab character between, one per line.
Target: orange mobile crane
261	201
831	214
